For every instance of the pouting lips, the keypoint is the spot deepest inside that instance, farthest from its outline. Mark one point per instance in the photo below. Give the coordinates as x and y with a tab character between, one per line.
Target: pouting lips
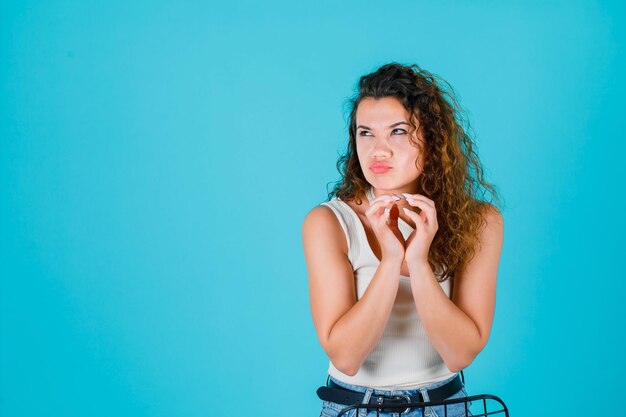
379	168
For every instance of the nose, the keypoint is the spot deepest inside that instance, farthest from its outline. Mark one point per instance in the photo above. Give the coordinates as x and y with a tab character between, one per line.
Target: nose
381	149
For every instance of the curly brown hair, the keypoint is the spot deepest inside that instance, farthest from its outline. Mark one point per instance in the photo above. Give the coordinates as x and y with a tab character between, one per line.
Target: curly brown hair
452	175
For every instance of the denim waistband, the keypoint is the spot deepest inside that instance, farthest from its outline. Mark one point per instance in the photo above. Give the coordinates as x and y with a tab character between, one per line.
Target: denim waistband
374	391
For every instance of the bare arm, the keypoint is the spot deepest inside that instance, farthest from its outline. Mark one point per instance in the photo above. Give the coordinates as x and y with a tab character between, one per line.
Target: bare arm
459	327
347	329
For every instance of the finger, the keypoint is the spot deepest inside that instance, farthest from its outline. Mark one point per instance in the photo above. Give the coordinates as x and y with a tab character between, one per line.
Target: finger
383	219
379	203
419	197
392	213
377	209
390	220
429	222
387	220
386	196
430	212
417	219
383	199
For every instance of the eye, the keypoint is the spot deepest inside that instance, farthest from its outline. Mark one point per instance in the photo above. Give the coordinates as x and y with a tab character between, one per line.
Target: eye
398	132
365	133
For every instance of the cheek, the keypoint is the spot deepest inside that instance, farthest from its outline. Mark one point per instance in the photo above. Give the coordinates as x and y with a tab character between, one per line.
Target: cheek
408	151
361	149
413	158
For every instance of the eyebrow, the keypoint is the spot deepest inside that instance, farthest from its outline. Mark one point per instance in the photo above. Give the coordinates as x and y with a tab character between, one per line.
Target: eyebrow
390	126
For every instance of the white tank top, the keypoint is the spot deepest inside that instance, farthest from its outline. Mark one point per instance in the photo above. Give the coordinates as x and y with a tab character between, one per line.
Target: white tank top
403	357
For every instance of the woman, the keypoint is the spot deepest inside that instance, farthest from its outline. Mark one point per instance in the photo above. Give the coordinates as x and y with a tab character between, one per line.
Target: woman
403	259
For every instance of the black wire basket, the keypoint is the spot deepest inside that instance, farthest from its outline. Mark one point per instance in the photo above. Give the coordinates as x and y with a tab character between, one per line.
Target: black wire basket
481	405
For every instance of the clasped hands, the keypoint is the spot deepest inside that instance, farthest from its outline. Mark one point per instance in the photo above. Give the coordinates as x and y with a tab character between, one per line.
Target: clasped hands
383	214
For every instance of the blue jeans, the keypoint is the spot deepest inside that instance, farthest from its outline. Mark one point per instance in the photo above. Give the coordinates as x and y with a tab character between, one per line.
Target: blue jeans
330	409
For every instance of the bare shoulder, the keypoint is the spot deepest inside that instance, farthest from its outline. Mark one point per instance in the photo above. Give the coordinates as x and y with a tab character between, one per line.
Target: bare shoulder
321	227
491	212
494	221
318	214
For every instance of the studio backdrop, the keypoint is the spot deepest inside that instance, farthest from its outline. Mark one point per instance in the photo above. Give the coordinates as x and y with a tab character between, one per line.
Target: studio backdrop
157	160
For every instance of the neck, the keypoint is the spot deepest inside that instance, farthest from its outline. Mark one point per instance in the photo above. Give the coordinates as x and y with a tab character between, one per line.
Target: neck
397	191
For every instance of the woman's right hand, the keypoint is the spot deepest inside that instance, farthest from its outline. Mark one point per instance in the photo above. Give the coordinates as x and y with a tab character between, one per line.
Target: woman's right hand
385	226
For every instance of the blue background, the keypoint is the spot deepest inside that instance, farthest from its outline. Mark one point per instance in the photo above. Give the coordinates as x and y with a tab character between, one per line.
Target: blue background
157	160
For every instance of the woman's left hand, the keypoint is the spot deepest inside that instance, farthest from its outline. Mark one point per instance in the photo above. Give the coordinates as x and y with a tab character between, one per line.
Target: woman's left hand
418	242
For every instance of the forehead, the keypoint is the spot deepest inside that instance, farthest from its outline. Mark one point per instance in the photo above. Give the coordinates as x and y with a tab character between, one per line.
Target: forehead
380	112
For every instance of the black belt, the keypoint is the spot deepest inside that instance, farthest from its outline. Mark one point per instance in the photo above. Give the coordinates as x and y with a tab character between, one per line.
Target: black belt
340	395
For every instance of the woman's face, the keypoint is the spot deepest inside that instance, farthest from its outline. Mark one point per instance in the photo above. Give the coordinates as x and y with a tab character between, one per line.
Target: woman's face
386	154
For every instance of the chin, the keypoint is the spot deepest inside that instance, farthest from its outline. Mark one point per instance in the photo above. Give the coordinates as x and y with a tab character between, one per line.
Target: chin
389	185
